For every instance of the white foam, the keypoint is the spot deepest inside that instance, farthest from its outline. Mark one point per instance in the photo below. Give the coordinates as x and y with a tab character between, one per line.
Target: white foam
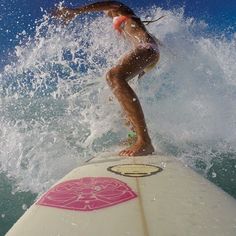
56	108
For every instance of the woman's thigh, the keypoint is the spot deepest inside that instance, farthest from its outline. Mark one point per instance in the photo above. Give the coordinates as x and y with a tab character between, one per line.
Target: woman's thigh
134	62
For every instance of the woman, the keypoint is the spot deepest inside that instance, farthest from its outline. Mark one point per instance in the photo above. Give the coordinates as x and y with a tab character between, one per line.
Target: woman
145	55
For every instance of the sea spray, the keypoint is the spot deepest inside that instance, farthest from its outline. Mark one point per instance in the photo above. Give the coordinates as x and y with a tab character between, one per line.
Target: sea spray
56	109
189	99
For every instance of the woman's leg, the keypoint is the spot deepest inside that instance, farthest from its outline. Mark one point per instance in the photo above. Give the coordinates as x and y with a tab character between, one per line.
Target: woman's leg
130	66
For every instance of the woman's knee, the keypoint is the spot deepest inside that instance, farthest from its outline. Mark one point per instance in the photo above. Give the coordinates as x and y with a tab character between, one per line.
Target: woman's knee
113	77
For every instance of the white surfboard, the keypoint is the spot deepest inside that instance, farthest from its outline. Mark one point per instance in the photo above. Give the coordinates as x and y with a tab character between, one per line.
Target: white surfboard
141	196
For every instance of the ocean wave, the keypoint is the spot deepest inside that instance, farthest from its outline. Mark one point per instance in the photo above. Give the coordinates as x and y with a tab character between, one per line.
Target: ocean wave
56	109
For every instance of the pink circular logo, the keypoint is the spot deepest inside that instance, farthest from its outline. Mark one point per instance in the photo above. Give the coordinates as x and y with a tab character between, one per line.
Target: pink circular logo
87	194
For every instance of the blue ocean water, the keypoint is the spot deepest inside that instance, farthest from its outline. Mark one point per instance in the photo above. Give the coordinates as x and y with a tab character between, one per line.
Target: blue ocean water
56	110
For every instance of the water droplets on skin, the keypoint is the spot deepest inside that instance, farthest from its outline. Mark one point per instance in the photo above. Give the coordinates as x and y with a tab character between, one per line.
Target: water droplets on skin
55	110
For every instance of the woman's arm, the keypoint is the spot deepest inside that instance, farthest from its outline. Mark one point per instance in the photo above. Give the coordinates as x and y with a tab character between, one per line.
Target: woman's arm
69	13
99	6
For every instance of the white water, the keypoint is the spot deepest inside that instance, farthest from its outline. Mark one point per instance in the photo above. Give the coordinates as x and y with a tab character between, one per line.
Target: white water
55	107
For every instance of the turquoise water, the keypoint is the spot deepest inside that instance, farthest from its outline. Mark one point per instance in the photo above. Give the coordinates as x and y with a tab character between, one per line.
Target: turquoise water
13	204
56	110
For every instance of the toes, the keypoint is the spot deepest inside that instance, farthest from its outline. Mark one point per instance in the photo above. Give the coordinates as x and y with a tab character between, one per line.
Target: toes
132	153
126	152
122	153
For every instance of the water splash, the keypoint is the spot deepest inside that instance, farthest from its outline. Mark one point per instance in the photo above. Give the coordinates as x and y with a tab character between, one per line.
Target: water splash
190	97
56	109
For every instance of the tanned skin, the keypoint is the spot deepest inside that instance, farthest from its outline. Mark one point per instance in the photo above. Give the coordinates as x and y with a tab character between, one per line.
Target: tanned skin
132	64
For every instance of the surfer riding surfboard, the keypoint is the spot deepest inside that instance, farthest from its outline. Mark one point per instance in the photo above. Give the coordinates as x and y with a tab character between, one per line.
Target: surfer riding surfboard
143	57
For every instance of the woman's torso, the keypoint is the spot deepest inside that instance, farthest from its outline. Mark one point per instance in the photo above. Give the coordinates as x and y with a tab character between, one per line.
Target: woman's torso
133	29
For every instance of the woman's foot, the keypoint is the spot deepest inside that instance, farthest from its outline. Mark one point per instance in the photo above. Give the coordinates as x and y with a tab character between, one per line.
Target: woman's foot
138	149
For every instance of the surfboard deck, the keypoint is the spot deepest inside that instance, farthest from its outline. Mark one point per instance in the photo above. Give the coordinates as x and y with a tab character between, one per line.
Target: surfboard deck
138	196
